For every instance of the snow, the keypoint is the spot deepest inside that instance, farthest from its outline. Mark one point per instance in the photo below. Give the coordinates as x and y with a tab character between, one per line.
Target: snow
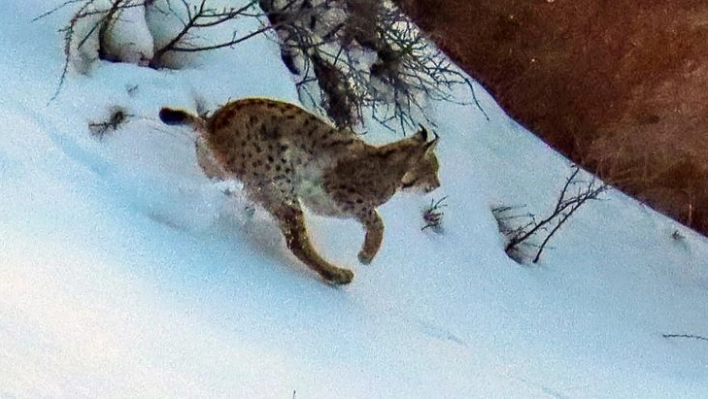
124	272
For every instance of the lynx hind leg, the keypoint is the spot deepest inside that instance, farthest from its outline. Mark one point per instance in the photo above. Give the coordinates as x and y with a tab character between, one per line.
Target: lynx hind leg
292	224
207	162
374	235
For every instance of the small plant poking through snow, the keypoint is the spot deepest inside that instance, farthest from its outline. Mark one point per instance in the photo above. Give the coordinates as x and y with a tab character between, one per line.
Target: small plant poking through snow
676	235
100	129
433	215
533	235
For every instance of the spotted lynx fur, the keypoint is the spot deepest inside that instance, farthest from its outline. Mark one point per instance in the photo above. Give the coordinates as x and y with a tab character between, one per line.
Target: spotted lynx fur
286	156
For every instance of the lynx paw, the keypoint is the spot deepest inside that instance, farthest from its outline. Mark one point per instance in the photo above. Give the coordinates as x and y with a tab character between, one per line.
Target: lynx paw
340	277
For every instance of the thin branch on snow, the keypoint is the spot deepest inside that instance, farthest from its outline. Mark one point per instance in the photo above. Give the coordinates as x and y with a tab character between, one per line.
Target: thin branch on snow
690	336
566	205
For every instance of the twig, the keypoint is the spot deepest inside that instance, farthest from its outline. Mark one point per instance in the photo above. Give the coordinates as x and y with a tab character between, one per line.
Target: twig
566	205
203	17
690	336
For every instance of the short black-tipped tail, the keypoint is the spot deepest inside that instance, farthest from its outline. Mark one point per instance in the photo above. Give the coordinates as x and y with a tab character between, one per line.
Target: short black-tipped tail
171	116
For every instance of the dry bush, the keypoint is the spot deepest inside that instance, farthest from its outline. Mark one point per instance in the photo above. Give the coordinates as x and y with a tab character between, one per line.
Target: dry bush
118	116
88	34
361	57
526	234
195	16
433	215
117	31
351	58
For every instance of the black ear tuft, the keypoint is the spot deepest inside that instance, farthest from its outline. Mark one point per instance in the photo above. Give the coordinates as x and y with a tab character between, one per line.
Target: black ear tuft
171	116
423	132
421	136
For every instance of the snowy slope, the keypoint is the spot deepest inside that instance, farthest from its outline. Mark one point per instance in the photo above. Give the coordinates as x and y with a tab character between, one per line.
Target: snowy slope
126	273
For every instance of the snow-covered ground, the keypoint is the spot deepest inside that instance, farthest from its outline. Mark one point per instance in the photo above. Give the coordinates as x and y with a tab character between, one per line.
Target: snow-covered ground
124	272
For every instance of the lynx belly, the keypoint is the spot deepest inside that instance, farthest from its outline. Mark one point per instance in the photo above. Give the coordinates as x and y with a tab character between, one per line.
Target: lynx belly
313	195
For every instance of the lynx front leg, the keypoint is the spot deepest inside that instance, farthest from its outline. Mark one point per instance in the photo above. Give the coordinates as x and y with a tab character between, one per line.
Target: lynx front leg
374	235
292	224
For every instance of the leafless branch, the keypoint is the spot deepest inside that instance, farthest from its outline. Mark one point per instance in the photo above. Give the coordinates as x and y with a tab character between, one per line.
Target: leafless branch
690	336
87	9
202	16
566	205
385	65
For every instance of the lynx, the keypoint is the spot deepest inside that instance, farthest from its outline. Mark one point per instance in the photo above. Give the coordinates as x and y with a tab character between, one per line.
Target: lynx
286	156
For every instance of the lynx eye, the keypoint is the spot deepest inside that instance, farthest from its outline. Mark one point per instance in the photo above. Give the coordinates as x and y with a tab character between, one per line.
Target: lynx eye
410	180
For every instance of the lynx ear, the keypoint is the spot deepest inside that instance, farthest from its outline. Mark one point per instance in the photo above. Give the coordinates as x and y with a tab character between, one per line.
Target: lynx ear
421	135
430	147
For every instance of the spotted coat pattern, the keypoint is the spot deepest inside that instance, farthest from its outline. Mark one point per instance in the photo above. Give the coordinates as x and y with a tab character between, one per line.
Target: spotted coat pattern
286	156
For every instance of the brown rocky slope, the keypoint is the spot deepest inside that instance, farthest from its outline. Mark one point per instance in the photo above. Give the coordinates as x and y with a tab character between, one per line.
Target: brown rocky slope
620	86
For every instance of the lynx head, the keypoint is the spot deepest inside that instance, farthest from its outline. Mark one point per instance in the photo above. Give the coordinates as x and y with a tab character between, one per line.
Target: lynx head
422	174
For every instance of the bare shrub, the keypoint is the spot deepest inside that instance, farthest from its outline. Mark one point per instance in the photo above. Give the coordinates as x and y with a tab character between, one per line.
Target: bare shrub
118	116
361	57
352	58
196	16
526	234
94	32
433	215
88	35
